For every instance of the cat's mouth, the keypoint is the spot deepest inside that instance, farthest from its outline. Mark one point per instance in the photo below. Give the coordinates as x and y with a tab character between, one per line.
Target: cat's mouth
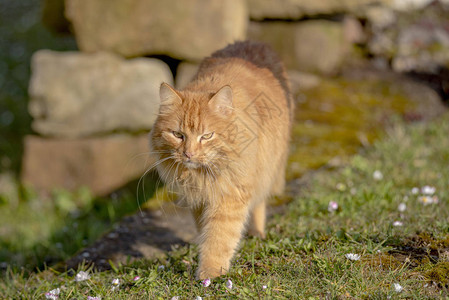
191	164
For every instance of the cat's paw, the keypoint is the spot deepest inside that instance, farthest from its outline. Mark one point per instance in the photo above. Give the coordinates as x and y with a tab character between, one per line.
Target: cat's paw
256	233
209	273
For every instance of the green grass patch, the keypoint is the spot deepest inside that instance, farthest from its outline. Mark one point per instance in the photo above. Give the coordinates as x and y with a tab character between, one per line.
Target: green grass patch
36	232
305	253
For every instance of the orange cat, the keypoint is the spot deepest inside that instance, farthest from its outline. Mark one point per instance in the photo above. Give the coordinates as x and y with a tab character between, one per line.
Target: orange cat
222	143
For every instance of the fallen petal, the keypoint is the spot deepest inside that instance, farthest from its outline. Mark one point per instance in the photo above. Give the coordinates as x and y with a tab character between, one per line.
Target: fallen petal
428	190
53	294
352	256
229	284
332	206
206	282
81	276
377	175
397	287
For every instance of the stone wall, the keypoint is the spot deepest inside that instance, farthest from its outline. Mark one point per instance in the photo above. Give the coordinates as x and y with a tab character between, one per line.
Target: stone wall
92	108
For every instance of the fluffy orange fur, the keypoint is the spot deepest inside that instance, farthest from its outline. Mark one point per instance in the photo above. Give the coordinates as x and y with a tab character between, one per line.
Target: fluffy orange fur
222	143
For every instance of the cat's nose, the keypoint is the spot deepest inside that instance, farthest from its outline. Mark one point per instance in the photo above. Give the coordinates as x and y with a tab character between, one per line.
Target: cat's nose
188	154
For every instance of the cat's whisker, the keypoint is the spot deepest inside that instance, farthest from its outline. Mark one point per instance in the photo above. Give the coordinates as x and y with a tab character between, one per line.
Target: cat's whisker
167	188
142	177
166	175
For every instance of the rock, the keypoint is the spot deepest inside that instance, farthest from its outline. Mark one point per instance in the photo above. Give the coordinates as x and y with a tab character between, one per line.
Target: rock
102	164
316	46
407	5
191	30
53	16
423	48
185	73
76	94
380	17
353	30
417	42
300	81
296	9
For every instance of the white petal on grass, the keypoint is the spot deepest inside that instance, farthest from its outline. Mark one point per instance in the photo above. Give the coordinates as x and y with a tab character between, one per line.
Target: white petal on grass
332	206
229	284
206	282
198	298
428	190
341	187
397	287
415	190
93	298
352	256
377	175
397	223
115	283
81	276
427	200
402	207
136	278
175	298
264	287
161	268
53	294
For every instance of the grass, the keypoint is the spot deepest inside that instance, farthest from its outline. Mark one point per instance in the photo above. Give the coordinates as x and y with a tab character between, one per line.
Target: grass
304	254
36	231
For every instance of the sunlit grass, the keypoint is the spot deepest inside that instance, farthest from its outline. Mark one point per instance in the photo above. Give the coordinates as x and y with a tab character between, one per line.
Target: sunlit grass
305	254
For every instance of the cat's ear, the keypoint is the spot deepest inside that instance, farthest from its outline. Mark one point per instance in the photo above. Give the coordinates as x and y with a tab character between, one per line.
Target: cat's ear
168	96
221	102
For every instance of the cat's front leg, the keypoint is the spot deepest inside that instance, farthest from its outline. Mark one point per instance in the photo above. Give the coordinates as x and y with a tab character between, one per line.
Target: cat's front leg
220	235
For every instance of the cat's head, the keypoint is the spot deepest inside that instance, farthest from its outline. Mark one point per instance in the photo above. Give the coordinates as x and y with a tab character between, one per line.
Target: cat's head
191	127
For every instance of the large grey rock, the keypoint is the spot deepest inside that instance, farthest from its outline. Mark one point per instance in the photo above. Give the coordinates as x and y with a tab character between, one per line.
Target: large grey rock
185	73
413	41
102	164
296	9
301	81
317	46
190	29
75	94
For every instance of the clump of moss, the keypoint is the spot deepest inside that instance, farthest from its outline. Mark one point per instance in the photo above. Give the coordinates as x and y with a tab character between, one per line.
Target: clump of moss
433	243
438	273
383	261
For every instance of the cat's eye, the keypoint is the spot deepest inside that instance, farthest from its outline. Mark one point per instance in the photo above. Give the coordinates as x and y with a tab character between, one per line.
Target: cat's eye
207	136
178	135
